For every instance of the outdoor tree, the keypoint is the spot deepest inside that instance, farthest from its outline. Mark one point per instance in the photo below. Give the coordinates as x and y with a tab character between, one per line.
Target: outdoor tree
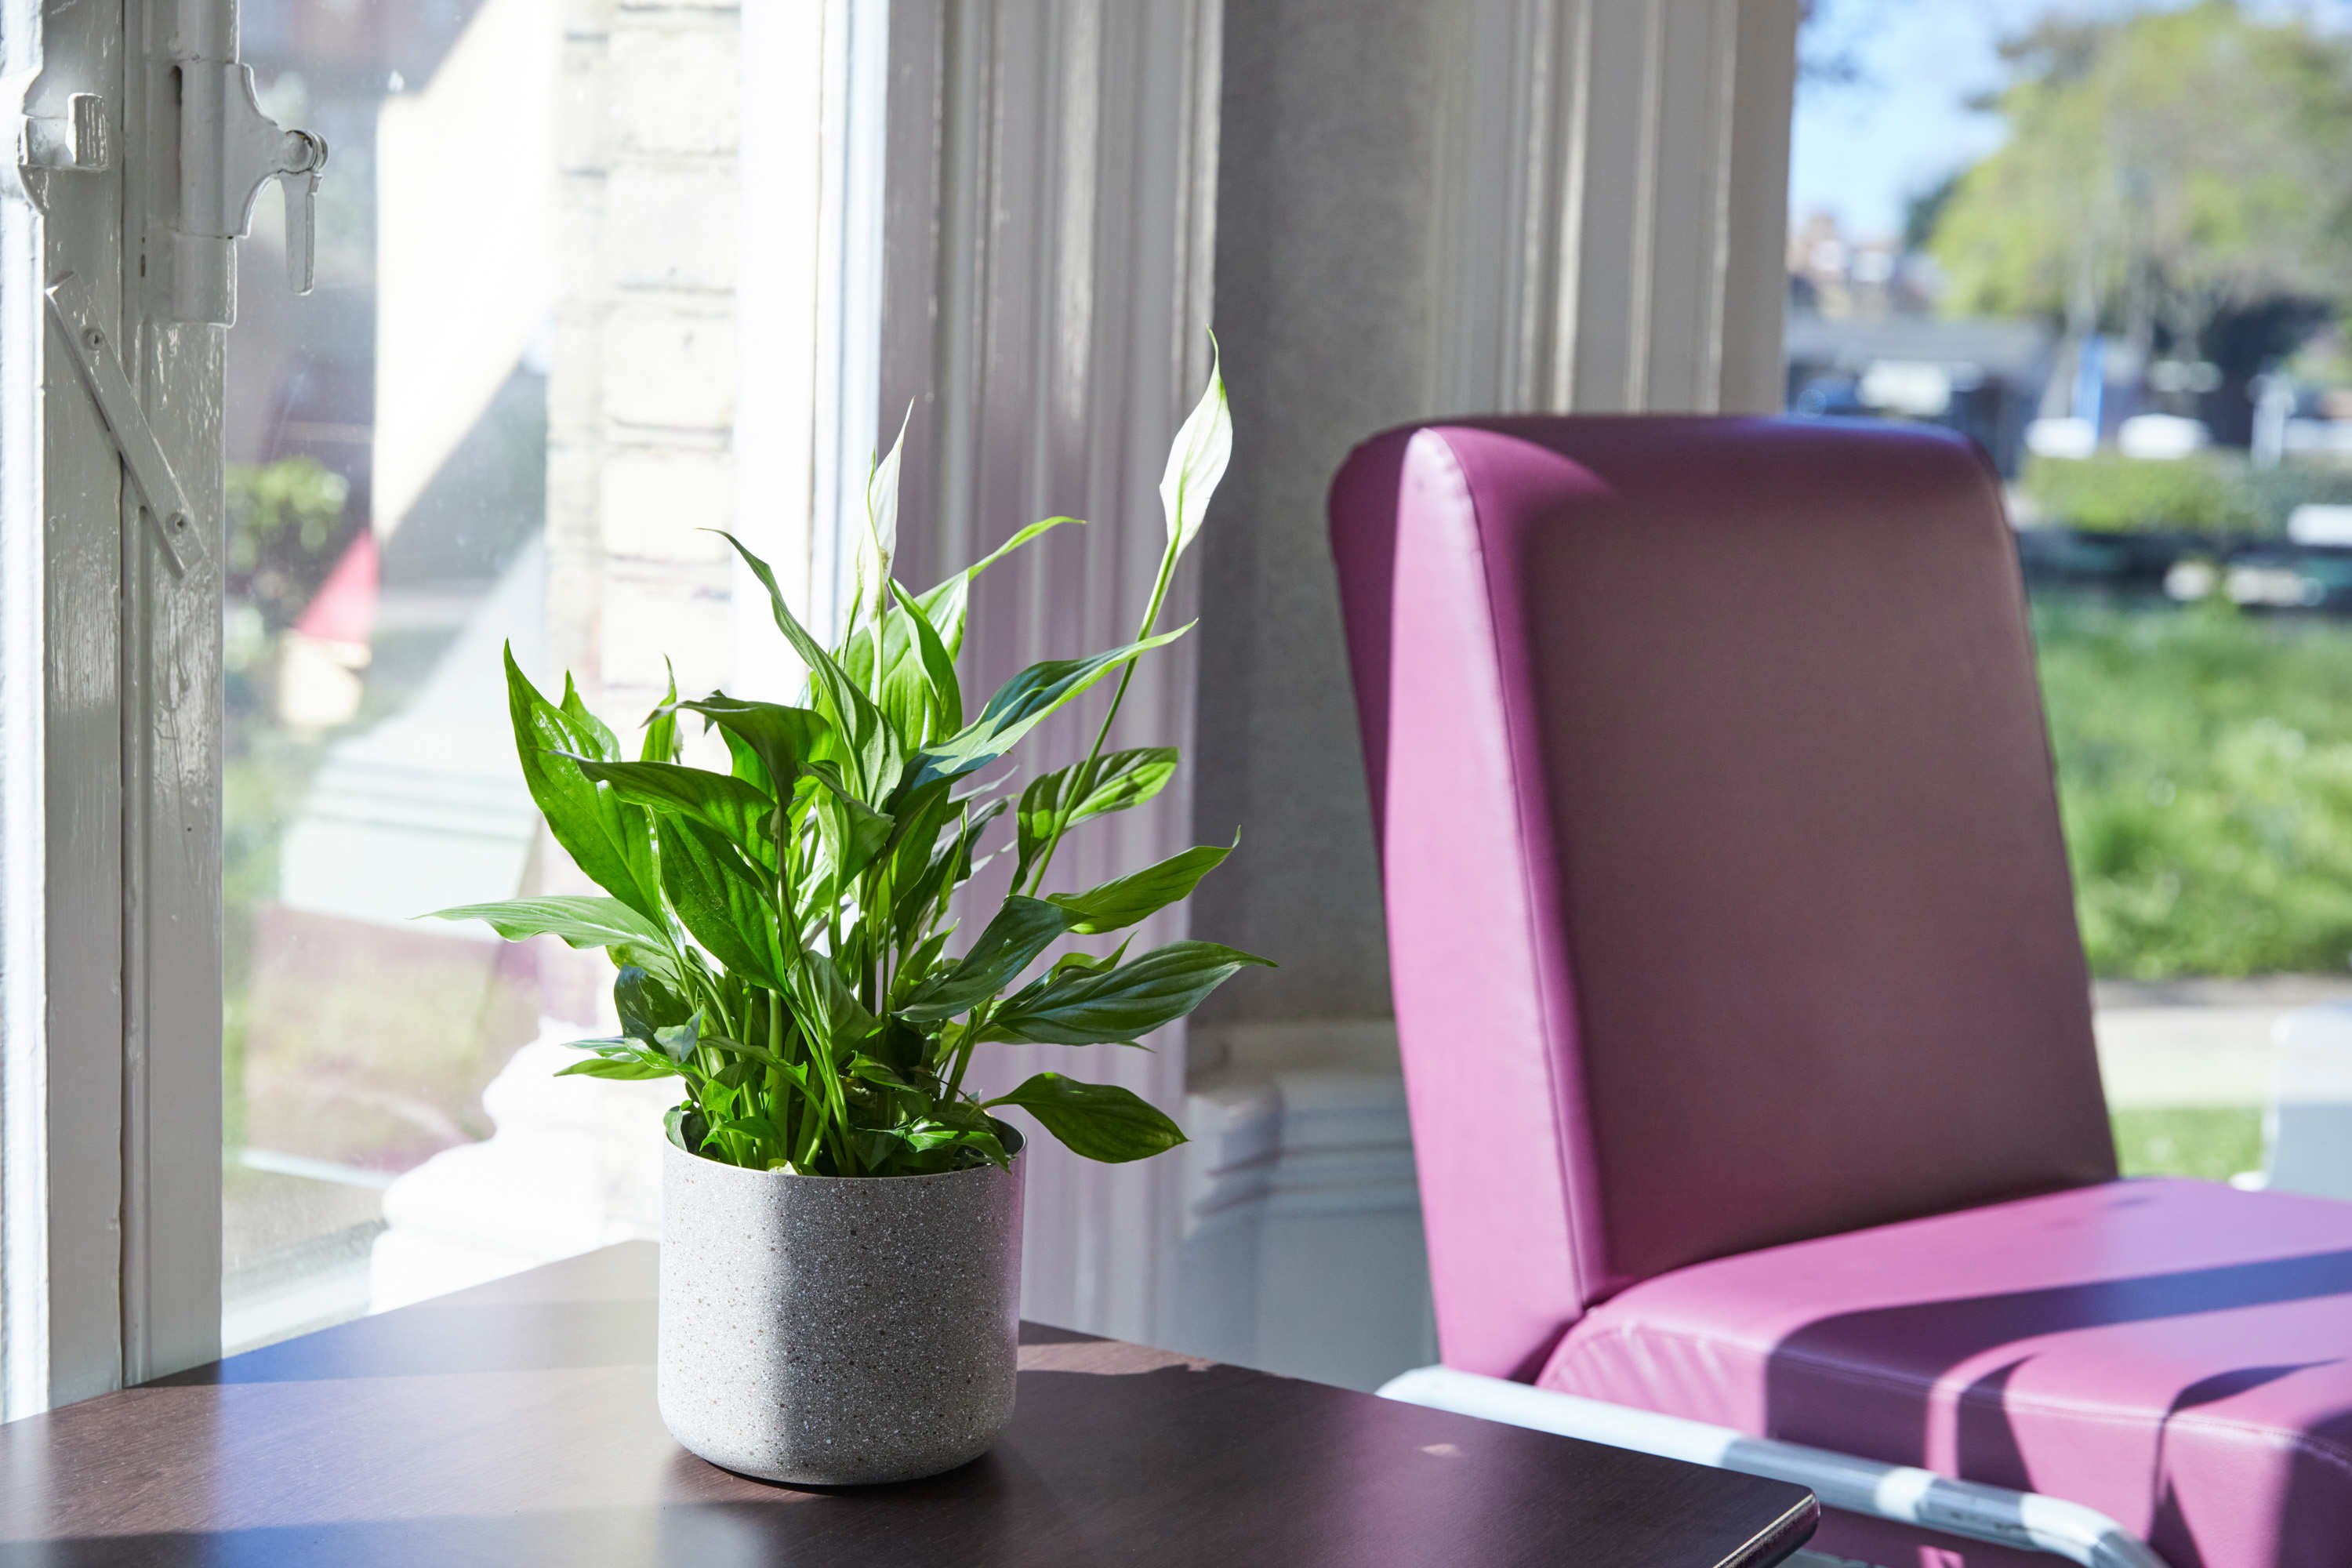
2164	173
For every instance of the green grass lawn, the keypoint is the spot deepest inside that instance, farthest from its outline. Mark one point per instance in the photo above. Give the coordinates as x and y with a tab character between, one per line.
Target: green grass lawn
2205	777
2215	1142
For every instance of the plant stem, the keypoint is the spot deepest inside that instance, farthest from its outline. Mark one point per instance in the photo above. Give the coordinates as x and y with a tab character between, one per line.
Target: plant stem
782	1098
971	1028
1082	782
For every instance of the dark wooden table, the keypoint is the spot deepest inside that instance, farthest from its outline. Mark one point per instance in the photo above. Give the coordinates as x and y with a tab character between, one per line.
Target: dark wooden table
514	1424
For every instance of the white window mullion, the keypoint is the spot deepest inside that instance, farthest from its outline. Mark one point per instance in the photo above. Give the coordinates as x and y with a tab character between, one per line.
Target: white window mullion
110	715
64	1070
171	742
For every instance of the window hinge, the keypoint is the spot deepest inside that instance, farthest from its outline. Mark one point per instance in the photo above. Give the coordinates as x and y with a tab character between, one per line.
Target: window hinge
228	150
110	387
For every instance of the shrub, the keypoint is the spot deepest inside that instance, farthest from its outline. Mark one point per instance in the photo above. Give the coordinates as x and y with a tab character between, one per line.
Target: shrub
285	530
2110	493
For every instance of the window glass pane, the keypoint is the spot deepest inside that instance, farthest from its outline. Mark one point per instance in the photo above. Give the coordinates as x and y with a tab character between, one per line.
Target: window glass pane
388	514
2101	239
506	418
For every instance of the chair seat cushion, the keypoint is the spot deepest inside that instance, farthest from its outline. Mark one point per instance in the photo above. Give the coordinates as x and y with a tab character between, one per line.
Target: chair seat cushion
2176	1355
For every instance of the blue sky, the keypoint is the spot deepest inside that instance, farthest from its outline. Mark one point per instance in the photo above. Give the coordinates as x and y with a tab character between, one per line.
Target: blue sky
1863	150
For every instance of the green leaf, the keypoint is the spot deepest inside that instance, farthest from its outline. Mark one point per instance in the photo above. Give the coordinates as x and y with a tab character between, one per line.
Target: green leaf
919	818
871	742
611	1066
949	870
1021	929
920	696
785	739
1088	962
678	1041
843	1019
934	1146
945	605
744	763
683	1125
758	1128
1197	459
853	832
610	840
1096	1121
1118	1006
1123	900
646	1006
661	725
943	602
856	655
720	900
582	921
1018	707
917	966
1122	779
942	692
866	1068
733	807
760	1053
619	1058
602	741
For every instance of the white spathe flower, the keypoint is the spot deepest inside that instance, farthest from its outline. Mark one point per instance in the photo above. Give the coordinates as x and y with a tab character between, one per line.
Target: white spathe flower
1197	460
879	544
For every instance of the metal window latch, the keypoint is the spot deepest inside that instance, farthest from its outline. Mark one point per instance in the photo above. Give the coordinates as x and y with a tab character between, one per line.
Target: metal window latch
228	150
76	317
76	141
47	144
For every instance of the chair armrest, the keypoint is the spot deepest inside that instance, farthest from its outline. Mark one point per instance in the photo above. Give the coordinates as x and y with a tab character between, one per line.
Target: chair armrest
1904	1493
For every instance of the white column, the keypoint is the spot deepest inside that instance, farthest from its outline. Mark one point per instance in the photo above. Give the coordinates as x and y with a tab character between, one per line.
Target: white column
1051	181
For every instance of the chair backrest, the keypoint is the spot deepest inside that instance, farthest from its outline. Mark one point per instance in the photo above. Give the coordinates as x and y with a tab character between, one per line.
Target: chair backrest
1727	901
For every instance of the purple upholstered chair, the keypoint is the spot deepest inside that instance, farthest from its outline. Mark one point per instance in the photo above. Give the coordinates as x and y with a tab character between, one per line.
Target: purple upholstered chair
1744	1019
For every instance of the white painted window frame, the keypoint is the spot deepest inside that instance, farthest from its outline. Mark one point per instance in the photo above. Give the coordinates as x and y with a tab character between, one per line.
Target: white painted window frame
808	415
109	748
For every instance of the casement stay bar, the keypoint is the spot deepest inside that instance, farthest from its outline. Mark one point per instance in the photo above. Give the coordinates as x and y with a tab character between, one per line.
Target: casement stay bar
76	319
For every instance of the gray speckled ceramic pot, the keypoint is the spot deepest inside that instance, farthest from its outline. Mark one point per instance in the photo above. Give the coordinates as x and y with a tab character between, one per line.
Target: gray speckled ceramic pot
837	1332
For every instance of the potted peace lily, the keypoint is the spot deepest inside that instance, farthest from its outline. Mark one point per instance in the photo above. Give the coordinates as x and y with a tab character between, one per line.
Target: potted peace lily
841	1214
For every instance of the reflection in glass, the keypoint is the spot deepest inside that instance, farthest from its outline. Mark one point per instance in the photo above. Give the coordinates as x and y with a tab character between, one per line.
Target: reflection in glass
387	438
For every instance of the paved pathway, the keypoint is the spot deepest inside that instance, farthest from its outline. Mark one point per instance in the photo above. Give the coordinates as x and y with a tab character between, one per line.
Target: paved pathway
2199	1042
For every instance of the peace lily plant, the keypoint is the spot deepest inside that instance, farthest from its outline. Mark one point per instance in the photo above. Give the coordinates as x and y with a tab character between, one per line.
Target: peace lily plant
782	930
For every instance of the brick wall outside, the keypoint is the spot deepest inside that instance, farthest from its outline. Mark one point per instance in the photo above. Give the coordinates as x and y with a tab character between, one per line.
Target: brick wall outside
641	391
641	387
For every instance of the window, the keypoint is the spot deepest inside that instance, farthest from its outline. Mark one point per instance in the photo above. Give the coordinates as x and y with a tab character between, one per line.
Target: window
503	421
507	413
2104	240
387	535
503	416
